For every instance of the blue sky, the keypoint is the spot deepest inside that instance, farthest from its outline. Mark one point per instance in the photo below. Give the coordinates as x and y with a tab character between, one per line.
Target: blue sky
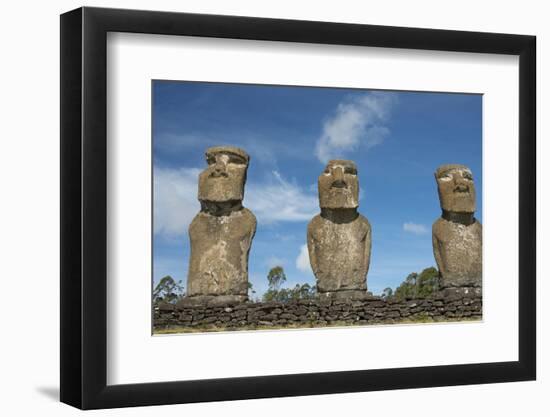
397	139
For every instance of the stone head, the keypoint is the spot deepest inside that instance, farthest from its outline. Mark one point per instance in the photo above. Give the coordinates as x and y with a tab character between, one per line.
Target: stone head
224	178
338	185
455	185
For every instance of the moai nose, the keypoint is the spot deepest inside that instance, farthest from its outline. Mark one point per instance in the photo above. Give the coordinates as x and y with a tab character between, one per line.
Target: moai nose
221	166
460	183
338	177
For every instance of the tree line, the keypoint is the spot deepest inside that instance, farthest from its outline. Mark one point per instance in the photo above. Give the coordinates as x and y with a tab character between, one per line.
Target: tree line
415	285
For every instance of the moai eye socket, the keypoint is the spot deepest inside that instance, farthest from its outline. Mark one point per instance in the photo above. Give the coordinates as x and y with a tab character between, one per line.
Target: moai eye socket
235	159
350	170
467	175
210	159
447	176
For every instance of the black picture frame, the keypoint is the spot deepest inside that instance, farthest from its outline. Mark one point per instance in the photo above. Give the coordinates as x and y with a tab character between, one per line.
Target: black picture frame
84	207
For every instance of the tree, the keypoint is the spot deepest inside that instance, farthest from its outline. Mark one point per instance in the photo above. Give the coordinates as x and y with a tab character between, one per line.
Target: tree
418	285
407	289
304	292
276	277
168	290
427	282
387	293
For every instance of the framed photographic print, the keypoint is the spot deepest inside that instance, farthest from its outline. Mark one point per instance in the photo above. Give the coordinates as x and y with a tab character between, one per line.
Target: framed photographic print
282	206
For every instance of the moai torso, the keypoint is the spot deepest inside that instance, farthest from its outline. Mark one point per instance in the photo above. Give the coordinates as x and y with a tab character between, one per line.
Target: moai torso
221	234
458	253
220	246
457	235
339	253
339	239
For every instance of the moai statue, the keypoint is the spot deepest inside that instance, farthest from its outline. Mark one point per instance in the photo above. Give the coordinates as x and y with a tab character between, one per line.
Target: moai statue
456	235
339	239
221	234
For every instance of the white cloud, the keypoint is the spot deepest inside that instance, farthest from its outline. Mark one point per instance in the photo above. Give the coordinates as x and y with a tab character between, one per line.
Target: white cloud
415	228
302	261
280	200
276	200
357	121
175	200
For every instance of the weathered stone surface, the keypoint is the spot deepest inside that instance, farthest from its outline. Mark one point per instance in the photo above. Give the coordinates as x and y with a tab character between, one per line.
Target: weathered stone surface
211	301
458	253
219	253
164	306
224	178
221	234
457	304
339	239
455	186
460	293
457	235
338	185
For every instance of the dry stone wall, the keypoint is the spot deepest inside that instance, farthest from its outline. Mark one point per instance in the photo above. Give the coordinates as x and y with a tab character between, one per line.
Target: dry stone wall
318	313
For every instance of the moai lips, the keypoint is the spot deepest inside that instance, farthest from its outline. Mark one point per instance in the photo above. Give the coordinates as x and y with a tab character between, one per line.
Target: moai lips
221	234
457	235
339	239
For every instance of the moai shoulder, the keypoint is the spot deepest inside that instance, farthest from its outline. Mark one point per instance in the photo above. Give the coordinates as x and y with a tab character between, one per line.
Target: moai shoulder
446	231
236	224
320	227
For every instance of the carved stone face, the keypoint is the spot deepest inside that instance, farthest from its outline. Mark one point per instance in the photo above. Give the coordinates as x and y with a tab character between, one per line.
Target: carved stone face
456	188
224	178
338	185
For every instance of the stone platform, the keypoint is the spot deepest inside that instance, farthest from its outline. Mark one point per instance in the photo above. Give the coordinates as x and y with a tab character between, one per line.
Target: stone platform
319	313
